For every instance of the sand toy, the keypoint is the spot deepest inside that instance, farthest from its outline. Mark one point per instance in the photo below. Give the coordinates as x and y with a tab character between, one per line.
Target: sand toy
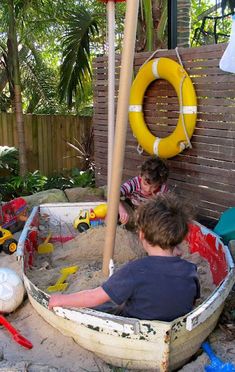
216	364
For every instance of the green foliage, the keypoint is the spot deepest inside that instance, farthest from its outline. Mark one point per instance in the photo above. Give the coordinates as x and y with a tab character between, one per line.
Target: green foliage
230	4
29	184
9	158
75	67
58	182
208	25
7	190
83	178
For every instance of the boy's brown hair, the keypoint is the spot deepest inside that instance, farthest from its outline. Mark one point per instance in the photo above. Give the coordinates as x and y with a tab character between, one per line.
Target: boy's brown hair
163	220
155	171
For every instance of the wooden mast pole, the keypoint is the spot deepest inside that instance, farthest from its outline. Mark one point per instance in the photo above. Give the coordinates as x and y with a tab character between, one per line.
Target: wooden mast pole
132	7
111	85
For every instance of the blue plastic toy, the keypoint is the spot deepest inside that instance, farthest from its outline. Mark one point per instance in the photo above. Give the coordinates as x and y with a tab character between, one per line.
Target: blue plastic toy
216	364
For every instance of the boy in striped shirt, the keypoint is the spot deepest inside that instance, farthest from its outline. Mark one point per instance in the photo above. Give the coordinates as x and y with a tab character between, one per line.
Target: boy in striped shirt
150	182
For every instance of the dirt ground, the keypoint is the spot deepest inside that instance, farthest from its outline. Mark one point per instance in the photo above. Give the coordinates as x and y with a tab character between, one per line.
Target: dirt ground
53	351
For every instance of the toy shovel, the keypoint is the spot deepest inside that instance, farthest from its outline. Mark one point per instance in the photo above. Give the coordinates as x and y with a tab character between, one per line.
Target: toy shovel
216	364
46	247
16	334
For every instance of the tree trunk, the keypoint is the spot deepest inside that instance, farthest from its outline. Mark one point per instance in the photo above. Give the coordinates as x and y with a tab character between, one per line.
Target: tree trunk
14	57
183	23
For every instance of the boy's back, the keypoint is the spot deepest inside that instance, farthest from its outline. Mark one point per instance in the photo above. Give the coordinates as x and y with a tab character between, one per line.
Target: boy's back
155	287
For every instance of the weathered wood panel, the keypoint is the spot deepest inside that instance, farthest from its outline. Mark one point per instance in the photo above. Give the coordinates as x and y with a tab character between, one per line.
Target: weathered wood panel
205	173
46	140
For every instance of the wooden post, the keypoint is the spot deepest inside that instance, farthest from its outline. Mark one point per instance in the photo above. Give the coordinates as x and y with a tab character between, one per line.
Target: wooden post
111	85
132	7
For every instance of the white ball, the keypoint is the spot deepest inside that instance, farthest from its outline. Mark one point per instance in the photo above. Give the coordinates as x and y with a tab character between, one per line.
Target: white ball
11	290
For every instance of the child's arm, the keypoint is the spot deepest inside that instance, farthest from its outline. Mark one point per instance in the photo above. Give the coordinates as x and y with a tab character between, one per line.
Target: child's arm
123	215
88	298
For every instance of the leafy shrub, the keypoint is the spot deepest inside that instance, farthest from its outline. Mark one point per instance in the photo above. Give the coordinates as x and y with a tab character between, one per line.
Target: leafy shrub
29	184
9	159
83	178
58	182
15	185
7	191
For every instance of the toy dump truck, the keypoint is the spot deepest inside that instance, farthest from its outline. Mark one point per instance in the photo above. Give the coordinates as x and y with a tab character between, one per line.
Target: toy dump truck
7	242
13	214
90	218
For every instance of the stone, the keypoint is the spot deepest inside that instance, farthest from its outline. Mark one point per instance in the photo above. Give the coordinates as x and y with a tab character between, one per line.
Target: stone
47	196
84	194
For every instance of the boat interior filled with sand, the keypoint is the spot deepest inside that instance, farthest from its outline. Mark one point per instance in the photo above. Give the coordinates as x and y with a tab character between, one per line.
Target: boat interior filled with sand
74	262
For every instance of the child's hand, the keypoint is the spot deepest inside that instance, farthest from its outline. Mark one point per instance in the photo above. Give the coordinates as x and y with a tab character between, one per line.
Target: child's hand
123	215
55	300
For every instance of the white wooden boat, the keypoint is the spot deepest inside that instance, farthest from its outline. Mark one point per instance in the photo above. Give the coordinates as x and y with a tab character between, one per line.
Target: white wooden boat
126	342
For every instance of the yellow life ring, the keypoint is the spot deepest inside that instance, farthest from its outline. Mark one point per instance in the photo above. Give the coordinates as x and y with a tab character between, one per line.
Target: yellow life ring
163	68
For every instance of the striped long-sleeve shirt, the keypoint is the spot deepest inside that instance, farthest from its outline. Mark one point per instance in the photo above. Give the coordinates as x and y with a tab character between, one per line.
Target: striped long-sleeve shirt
131	189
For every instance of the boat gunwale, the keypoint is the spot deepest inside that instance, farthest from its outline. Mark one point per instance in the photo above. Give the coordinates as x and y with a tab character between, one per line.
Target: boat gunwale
198	315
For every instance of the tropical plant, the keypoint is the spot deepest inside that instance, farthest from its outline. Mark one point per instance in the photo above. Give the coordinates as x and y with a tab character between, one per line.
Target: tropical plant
76	41
9	158
85	150
14	73
152	25
83	178
29	184
58	182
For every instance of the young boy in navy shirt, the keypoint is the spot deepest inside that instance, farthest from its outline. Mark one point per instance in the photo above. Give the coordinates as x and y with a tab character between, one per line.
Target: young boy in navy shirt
160	286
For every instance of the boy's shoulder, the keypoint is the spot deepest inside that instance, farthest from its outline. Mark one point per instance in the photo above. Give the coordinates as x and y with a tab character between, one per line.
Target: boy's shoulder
162	262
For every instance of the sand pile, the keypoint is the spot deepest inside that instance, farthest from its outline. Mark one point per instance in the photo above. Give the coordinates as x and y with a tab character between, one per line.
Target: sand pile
85	251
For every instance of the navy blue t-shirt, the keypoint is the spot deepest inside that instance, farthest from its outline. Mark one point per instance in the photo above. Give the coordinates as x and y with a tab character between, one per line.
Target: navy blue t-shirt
155	287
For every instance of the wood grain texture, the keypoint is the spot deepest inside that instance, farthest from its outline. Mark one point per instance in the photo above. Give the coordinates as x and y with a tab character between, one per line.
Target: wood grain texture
205	174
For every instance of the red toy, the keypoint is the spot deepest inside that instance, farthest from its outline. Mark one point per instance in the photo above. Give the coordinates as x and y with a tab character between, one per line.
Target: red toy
13	212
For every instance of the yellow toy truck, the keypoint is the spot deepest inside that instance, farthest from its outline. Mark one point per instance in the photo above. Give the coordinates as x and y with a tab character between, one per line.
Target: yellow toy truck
7	243
90	218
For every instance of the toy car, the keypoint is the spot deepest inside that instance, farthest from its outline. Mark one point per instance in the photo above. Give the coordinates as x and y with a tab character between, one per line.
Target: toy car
90	218
7	243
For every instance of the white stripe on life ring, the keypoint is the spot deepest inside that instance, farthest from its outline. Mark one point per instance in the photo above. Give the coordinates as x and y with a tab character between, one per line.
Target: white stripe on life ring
155	68
188	110
135	108
155	145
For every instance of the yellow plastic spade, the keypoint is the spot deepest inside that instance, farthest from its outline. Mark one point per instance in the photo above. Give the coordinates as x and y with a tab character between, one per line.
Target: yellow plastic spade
60	285
46	247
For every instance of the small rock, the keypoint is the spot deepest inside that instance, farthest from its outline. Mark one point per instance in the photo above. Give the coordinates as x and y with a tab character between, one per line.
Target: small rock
81	194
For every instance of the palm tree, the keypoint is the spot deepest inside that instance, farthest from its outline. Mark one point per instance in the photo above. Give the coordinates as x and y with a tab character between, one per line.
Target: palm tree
14	72
183	23
152	25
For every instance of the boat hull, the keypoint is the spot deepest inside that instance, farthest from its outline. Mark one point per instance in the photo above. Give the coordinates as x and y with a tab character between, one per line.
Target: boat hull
133	343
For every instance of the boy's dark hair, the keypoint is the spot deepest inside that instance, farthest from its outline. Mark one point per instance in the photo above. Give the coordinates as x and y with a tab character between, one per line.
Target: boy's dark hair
163	220
155	171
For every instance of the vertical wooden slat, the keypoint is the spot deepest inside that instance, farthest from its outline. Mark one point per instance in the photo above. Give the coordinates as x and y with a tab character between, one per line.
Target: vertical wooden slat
45	138
200	171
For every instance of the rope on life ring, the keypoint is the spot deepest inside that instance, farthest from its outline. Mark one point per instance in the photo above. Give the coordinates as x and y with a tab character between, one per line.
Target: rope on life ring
179	139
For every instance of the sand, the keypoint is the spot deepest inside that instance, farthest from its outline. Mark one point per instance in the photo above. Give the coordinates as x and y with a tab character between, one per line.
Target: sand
53	351
85	251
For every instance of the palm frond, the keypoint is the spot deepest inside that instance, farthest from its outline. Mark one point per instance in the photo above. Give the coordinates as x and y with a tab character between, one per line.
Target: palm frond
75	67
147	8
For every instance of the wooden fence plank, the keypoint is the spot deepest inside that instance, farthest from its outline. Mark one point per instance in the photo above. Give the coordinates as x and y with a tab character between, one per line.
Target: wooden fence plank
46	138
207	171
